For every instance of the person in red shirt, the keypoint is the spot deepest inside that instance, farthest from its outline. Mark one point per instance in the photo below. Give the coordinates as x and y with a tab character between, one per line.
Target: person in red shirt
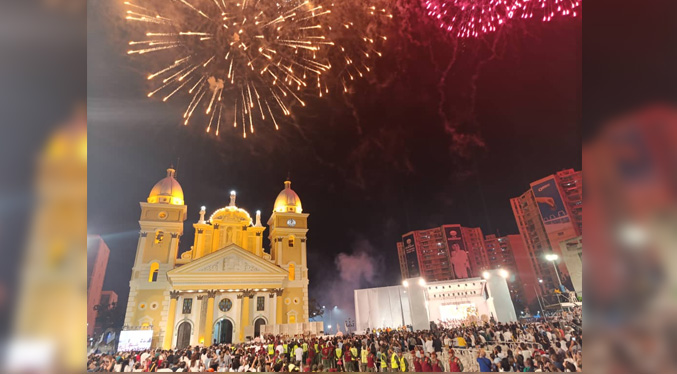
311	353
436	364
326	351
455	365
425	365
371	365
347	358
417	365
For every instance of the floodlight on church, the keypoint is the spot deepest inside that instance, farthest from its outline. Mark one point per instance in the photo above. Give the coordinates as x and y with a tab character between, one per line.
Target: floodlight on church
486	275
405	283
421	282
503	273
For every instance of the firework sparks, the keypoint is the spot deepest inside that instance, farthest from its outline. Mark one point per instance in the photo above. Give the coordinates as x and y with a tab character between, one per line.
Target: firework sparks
252	56
547	9
473	18
355	31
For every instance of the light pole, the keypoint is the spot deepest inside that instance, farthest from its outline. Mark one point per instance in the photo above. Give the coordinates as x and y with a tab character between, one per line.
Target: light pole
552	258
331	319
539	300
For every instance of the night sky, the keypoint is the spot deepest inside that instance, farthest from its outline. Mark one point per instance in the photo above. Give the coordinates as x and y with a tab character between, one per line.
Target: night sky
411	148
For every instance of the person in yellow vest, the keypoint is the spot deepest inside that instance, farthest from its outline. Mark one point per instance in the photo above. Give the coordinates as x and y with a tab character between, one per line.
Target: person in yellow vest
304	345
271	349
353	358
395	361
403	364
364	353
338	358
383	358
285	346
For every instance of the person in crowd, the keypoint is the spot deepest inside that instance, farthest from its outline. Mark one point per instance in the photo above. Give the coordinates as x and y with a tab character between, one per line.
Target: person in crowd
484	363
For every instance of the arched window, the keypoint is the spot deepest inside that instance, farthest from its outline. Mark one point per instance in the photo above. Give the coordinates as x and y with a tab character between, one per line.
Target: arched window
292	271
154	268
291	241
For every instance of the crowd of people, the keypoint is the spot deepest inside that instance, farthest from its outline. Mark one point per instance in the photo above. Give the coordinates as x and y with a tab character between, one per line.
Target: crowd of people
542	346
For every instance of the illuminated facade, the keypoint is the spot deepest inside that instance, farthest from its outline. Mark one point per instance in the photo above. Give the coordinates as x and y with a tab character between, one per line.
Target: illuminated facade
226	287
549	213
442	253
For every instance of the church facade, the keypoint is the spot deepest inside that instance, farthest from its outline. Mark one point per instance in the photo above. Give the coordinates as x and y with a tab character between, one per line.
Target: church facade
226	288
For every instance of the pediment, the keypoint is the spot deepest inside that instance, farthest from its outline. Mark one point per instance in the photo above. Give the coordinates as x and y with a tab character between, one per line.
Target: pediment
230	259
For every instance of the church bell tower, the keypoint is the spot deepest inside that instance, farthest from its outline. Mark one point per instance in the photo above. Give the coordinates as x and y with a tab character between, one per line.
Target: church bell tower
161	223
288	228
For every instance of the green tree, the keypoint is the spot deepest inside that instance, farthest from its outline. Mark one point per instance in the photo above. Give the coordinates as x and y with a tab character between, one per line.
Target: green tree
314	309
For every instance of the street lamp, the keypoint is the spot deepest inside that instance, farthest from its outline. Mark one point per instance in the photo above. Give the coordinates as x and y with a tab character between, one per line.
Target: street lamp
552	257
331	316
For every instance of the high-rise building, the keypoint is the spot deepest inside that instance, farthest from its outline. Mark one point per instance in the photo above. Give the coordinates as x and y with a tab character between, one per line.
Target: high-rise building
97	261
546	215
442	253
503	252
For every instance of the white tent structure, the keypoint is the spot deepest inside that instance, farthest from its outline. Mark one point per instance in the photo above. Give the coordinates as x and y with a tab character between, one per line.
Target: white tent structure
417	303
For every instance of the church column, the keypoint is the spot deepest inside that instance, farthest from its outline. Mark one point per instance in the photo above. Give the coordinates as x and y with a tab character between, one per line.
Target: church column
209	320
244	313
169	330
199	321
278	306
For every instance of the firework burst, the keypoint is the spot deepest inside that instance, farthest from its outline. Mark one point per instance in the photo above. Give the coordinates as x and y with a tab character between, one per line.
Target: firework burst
356	27
473	18
250	60
547	9
470	18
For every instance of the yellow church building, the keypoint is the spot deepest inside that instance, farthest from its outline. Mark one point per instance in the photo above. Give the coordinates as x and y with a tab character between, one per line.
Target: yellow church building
226	288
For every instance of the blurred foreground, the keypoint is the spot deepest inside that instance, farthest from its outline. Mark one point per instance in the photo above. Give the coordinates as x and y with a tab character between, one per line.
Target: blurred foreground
630	225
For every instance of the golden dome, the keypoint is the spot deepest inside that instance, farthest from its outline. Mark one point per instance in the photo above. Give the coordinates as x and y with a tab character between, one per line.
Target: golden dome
288	200
167	191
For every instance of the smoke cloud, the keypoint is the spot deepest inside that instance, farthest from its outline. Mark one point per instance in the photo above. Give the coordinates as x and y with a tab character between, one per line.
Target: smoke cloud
359	269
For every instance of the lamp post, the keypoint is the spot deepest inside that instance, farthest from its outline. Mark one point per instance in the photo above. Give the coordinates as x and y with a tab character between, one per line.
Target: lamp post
539	300
552	258
331	319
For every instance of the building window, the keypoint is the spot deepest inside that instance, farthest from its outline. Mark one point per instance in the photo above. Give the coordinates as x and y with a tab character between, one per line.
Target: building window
159	236
187	306
154	269
260	303
291	242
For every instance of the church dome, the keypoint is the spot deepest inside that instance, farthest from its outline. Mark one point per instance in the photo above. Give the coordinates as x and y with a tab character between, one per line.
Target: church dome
167	191
288	200
231	214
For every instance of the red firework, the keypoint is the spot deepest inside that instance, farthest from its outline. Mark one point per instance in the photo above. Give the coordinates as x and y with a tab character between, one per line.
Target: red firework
547	9
473	18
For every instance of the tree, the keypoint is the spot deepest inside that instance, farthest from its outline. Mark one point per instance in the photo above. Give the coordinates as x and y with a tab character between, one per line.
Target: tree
314	309
105	316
